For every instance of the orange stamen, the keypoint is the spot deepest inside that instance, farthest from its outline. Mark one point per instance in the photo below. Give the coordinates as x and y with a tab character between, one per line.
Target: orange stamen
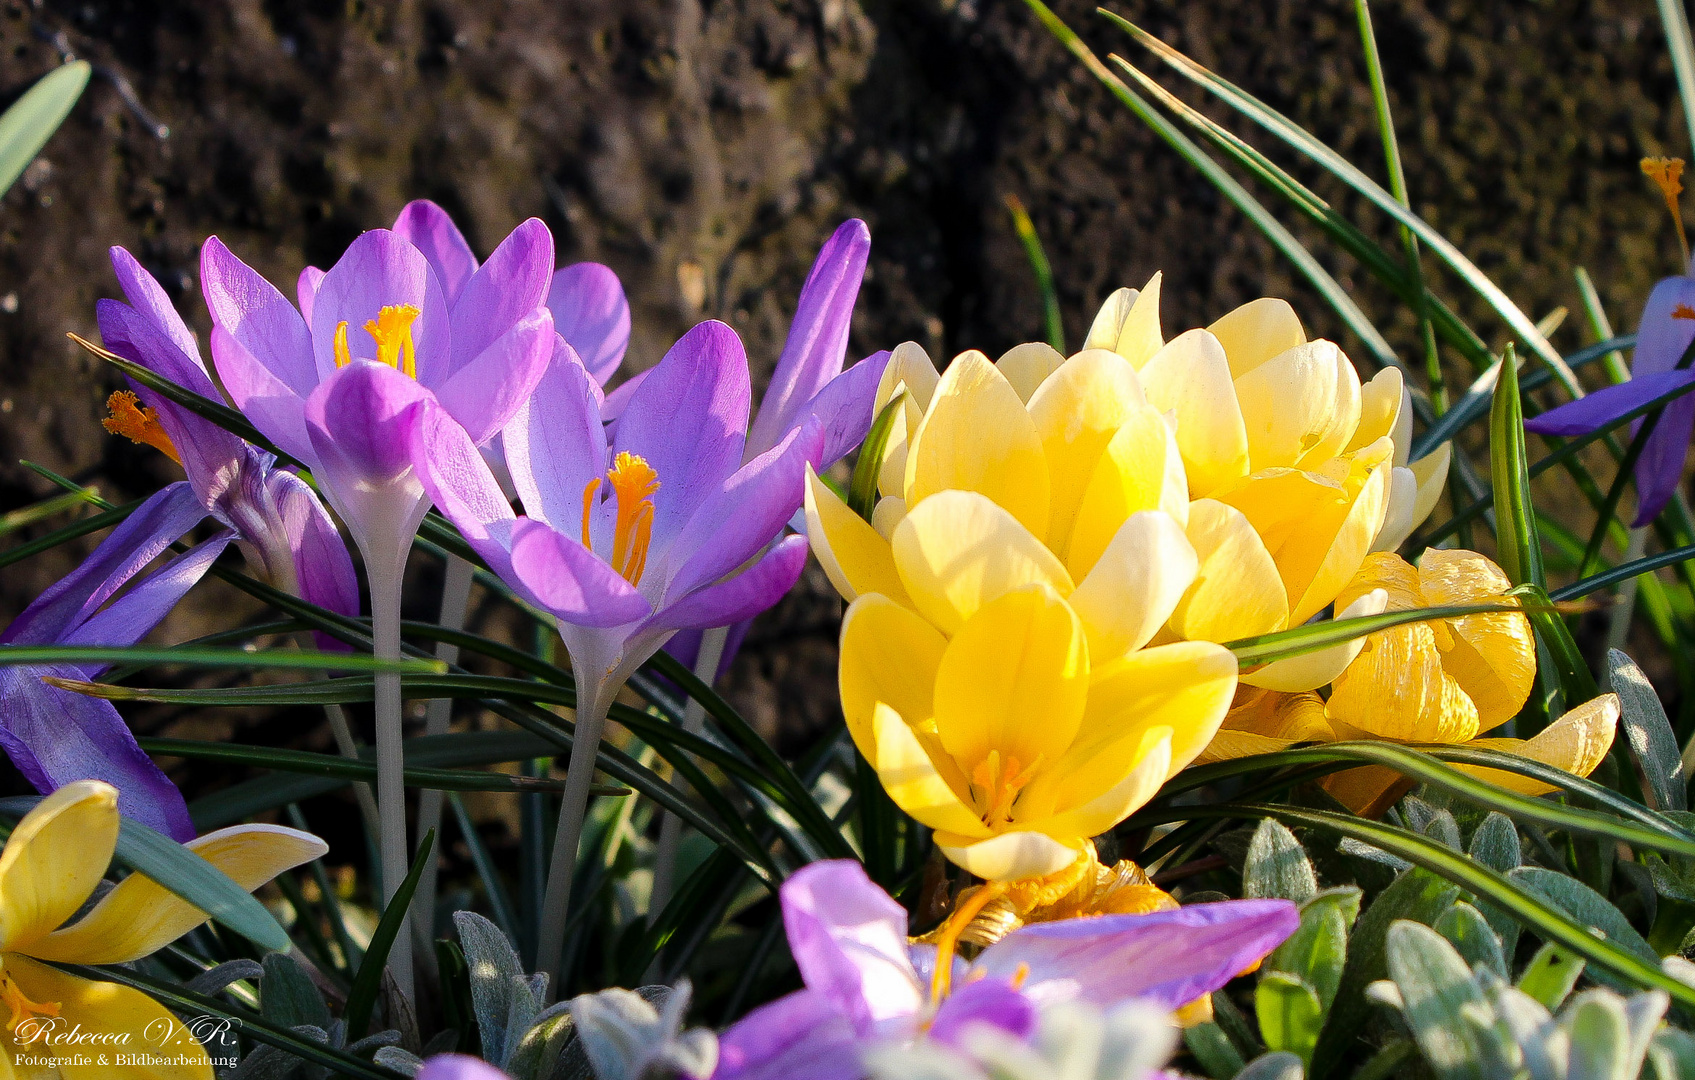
392	331
1683	311
22	1008
588	509
137	423
1001	786
1667	174
941	979
634	483
342	356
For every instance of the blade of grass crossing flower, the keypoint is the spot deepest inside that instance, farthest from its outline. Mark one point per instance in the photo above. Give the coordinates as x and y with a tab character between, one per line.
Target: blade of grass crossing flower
47	508
1623	572
33	118
1052	321
68	533
862	488
1301	640
285	659
362	999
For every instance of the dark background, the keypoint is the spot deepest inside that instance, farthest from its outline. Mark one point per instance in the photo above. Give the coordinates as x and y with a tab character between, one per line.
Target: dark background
721	141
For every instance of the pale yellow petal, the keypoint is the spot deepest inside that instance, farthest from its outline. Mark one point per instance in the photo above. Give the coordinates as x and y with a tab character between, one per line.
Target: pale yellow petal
1139	337
1008	856
1290	718
1109	320
1237	592
1431	472
103	1009
888	655
977	436
1492	657
1347	418
1309	672
1367	791
1013	680
54	858
957	551
1398	506
1382	404
1295	404
887	515
1576	742
1028	365
1140	469
1228	745
1135	585
855	559
1154	766
139	916
1076	412
1256	332
1190	378
912	780
909	370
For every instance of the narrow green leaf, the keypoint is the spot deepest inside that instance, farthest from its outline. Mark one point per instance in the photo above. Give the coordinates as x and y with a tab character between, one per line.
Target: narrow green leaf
862	488
1289	1014
69	532
284	659
362	999
25	516
1314	637
1550	975
1026	230
1648	735
1520	553
33	118
1212	1048
1679	43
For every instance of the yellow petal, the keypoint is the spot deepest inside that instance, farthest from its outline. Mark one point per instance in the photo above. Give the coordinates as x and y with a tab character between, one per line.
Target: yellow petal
1299	405
54	859
1382	403
1228	745
1576	742
1256	332
887	515
1154	766
855	559
1431	472
1492	657
1008	856
107	1009
1076	412
957	551
912	780
1135	585
1398	506
1014	680
1289	718
1139	337
1367	791
1309	672
1028	365
977	436
909	369
888	655
1140	469
139	916
1191	378
1237	592
1109	320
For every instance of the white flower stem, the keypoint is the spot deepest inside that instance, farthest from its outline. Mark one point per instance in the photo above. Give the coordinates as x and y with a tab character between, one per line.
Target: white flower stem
391	754
694	721
455	599
593	703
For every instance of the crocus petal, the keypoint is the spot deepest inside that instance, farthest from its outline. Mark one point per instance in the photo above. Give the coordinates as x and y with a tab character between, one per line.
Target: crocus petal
844	407
1007	856
848	938
323	570
802	1034
54	858
855	559
734	523
507	290
428	228
591	312
458	481
1167	957
106	1008
1431	472
56	737
1494	656
888	655
1256	332
556	444
1101	813
1587	413
125	620
914	778
306	290
1237	592
154	525
1128	323
271	405
1300	673
149	300
1385	409
983	1001
1140	469
818	337
381	269
1659	472
1398	503
139	917
258	317
1576	742
687	421
487	391
1027	366
1298	406
1077	411
910	371
742	597
457	1067
618	400
569	580
1135	585
1191	378
957	551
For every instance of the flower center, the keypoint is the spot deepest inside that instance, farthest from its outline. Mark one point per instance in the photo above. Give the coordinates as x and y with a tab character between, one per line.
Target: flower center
22	1008
137	423
1667	175
634	483
392	331
998	786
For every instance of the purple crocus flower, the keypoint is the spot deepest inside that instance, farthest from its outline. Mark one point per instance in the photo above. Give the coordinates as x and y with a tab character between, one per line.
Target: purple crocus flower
866	985
279	524
458	1067
54	736
1662	337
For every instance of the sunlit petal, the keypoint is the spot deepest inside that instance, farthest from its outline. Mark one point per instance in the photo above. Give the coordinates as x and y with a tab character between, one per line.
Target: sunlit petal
1237	592
1190	378
1141	469
957	551
856	560
888	655
1135	585
1493	656
1256	332
1028	365
54	859
912	780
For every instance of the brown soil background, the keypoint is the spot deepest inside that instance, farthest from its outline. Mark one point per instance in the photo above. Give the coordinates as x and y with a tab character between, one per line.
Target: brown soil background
721	140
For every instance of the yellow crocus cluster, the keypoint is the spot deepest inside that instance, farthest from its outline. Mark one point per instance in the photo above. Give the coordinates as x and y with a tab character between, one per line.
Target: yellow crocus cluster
996	666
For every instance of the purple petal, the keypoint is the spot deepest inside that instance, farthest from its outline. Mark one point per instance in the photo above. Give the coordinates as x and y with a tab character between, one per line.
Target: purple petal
844	407
128	618
323	570
688	420
148	299
570	581
818	337
506	289
138	540
1168	957
306	290
487	392
255	314
556	445
270	404
798	1037
1661	337
55	737
685	646
1608	404
748	513
984	1001
380	269
428	228
457	1066
1659	472
618	400
741	597
591	312
459	482
848	938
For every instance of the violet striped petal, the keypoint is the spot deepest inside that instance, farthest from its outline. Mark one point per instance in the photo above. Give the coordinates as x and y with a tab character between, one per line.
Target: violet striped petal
428	228
570	581
801	1035
381	269
556	444
505	290
741	597
255	314
487	392
591	312
306	291
149	300
127	619
269	404
844	407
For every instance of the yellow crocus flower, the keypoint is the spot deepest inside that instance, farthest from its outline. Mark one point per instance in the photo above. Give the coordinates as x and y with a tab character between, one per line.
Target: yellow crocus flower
1443	681
1029	545
51	864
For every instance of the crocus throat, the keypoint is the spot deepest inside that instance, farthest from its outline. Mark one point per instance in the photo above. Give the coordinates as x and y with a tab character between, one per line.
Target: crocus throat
137	423
634	483
22	1008
392	331
997	785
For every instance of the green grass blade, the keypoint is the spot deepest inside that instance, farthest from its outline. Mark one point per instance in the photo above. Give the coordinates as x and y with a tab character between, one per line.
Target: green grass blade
33	118
501	912
1301	640
69	532
1675	19
25	516
362	999
270	659
1053	322
1519	550
1624	572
